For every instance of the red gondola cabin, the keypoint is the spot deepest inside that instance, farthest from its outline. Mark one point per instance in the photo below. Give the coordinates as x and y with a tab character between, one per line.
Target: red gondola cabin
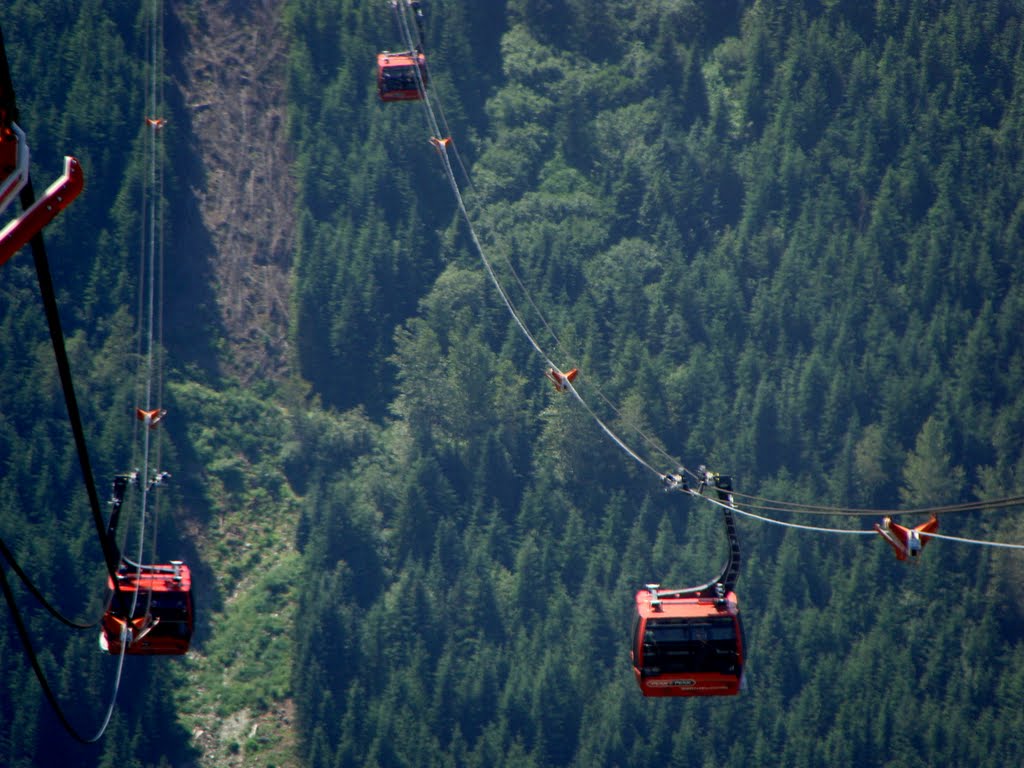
687	645
396	75
166	590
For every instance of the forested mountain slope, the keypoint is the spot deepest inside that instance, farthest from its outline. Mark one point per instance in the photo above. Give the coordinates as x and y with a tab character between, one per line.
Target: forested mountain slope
783	239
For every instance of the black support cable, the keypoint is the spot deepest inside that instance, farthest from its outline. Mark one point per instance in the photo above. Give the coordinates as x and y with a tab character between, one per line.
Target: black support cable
56	332
26	641
42	264
116	501
6	84
28	197
33	590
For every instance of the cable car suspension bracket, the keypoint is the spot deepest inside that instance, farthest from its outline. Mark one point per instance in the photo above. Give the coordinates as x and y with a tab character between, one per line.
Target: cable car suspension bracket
718	588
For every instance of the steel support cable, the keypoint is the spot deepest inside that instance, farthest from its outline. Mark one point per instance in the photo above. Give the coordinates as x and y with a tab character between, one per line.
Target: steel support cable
651	442
558	345
980	542
151	307
952	509
156	231
783	523
446	134
487	264
158	237
404	24
421	86
853	532
608	431
426	98
150	256
51	698
813	509
455	147
160	223
453	182
138	393
146	308
522	326
159	340
428	102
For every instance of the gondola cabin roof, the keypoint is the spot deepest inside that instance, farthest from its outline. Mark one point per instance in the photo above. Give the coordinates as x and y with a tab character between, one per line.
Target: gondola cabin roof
396	75
166	591
687	646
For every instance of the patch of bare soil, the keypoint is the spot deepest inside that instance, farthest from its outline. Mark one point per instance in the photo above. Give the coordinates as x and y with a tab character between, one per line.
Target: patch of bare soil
233	82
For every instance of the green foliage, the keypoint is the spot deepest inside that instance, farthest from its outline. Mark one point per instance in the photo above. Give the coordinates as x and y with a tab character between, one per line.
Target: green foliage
247	663
780	242
782	238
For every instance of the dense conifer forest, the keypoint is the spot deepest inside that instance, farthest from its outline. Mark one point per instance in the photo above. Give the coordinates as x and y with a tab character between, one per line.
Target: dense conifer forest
784	239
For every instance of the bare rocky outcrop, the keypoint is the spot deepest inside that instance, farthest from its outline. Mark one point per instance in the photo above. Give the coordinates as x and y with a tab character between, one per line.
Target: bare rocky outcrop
233	81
